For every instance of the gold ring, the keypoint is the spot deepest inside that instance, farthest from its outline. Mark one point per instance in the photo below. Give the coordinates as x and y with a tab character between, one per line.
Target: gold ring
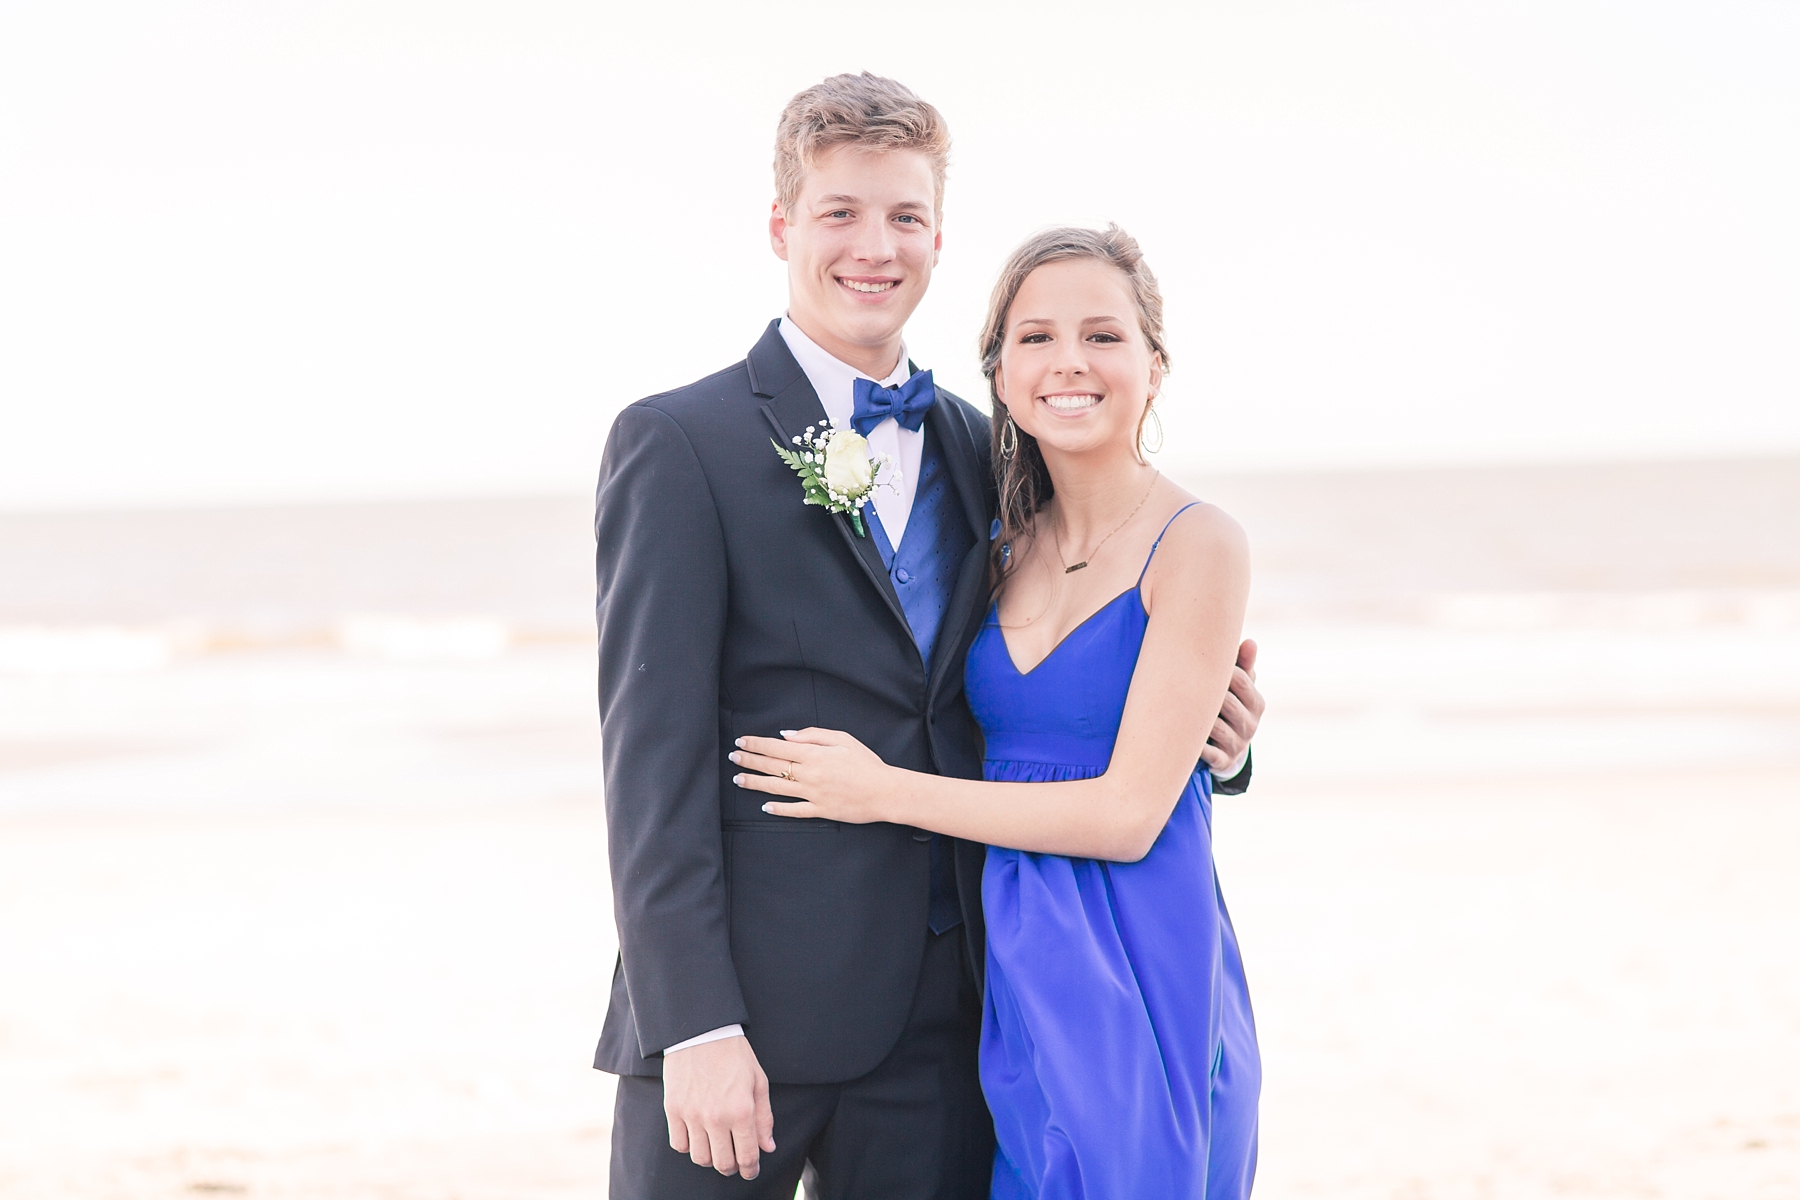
789	773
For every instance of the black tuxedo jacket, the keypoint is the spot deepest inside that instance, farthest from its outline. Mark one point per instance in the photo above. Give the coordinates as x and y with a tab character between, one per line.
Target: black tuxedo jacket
728	607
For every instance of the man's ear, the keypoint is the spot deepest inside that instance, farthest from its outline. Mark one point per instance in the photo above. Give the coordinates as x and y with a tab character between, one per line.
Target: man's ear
778	230
937	243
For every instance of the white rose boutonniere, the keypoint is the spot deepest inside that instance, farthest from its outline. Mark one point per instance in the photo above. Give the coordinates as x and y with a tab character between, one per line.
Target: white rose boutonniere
836	470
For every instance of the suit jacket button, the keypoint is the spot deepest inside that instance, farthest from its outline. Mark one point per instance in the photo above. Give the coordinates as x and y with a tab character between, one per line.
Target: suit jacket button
903	575
919	836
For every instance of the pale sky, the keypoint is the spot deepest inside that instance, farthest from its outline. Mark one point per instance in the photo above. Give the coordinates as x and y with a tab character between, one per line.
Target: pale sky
307	251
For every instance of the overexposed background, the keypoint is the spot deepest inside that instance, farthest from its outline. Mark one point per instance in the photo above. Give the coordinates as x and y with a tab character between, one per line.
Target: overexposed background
313	318
327	250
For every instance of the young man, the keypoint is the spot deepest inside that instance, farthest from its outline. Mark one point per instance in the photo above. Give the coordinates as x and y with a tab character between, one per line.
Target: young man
794	992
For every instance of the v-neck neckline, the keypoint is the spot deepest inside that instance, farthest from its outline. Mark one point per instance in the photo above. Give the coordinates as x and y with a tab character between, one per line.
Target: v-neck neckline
1060	642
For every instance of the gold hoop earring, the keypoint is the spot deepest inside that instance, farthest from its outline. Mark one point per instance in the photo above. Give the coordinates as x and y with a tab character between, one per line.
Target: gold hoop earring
1009	439
1144	447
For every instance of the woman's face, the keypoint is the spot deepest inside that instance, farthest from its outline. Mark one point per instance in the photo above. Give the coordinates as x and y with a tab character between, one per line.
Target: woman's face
1075	371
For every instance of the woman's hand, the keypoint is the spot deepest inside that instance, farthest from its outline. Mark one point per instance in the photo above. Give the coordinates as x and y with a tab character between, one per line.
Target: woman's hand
829	773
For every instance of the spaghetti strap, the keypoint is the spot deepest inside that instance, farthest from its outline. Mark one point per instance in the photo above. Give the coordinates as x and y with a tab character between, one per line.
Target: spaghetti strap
1160	536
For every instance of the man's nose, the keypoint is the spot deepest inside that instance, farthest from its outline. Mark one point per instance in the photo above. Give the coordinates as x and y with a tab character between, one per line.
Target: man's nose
874	241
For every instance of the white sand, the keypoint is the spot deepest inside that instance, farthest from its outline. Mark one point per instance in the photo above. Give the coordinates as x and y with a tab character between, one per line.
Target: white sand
304	1006
1511	990
385	979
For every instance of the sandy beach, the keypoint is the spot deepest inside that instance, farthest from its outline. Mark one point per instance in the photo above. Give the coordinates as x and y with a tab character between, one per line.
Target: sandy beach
302	858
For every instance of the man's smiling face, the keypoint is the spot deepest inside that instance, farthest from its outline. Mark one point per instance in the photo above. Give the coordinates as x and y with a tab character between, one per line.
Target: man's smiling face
860	241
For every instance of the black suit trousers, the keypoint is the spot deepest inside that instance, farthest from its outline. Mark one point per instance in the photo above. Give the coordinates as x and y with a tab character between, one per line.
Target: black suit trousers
914	1128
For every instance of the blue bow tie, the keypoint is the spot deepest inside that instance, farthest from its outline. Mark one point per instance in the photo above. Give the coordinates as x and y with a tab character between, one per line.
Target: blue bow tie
907	403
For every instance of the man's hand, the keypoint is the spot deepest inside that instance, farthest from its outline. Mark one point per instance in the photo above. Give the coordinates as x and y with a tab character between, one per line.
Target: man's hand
1237	720
717	1100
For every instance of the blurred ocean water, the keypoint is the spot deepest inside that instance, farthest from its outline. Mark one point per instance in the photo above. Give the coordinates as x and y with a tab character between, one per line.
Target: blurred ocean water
1436	621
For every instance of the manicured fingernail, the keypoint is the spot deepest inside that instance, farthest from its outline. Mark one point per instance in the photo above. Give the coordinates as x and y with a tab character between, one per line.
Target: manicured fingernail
766	809
739	743
738	779
788	732
733	756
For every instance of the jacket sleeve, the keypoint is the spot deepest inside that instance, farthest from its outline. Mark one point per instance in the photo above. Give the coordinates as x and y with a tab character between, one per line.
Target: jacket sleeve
1238	784
660	599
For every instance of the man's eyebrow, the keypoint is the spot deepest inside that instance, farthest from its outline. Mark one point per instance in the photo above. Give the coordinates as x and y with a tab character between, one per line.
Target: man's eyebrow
840	199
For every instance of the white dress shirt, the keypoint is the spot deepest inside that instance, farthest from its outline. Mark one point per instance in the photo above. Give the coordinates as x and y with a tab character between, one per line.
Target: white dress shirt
835	382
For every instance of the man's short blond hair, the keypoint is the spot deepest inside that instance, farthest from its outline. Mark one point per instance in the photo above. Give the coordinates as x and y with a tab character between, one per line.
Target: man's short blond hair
862	110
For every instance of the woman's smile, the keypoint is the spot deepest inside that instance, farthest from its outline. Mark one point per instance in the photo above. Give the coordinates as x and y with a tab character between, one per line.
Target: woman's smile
1071	402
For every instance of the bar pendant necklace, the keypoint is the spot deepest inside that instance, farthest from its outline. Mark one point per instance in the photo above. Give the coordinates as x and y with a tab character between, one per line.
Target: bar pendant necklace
1056	536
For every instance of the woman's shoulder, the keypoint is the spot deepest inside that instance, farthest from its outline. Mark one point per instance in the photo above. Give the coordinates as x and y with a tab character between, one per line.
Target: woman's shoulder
1199	538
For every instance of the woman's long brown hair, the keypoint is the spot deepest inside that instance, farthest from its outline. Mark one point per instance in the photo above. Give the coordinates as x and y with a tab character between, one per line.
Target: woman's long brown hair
1023	480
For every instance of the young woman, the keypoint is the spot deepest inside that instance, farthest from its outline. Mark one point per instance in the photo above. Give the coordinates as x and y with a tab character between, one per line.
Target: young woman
1118	1052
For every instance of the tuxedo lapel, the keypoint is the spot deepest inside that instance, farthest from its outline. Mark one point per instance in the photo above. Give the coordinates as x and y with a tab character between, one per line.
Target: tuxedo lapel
963	460
789	410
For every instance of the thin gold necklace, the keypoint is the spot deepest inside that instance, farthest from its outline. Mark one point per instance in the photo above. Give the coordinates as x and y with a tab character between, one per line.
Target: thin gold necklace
1056	536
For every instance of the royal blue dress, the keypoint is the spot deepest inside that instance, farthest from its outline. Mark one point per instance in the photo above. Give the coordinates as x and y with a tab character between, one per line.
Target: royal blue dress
1118	1052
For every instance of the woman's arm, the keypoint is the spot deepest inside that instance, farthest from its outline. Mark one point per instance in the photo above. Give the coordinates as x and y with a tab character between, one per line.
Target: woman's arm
1195	594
